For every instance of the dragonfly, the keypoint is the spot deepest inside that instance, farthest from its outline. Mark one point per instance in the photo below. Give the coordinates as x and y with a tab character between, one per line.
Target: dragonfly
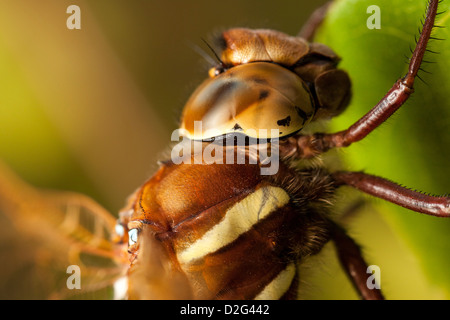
77	231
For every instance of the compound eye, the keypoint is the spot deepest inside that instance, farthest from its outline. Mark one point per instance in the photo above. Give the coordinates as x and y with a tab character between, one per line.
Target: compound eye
133	236
259	99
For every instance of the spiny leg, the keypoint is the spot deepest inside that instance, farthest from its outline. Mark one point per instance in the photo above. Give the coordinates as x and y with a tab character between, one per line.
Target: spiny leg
348	251
308	146
350	257
438	206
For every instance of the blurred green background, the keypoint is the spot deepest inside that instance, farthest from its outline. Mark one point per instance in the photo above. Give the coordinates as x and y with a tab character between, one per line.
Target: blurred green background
92	110
411	148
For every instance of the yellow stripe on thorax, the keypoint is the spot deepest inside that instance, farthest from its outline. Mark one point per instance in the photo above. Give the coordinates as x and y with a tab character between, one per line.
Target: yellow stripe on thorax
240	218
278	286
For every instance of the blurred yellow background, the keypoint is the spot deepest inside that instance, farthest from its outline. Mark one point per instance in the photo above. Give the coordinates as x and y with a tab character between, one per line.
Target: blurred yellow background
92	110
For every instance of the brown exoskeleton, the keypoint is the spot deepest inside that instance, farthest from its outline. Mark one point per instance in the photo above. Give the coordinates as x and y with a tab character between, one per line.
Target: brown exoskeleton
234	233
203	230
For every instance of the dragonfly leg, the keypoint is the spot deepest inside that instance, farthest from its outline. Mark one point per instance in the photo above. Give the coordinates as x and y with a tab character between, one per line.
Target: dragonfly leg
438	206
350	257
309	29
308	146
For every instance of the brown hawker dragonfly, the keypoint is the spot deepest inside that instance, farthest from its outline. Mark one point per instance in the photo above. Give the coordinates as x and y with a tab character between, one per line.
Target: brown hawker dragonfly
222	230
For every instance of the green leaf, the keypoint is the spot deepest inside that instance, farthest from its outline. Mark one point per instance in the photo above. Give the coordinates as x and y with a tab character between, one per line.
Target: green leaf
413	147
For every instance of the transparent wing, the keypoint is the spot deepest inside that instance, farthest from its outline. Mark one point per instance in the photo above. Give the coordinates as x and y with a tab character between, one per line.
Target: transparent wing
154	276
55	245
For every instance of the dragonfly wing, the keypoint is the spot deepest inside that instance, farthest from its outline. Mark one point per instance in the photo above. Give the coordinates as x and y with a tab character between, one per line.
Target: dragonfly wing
55	245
